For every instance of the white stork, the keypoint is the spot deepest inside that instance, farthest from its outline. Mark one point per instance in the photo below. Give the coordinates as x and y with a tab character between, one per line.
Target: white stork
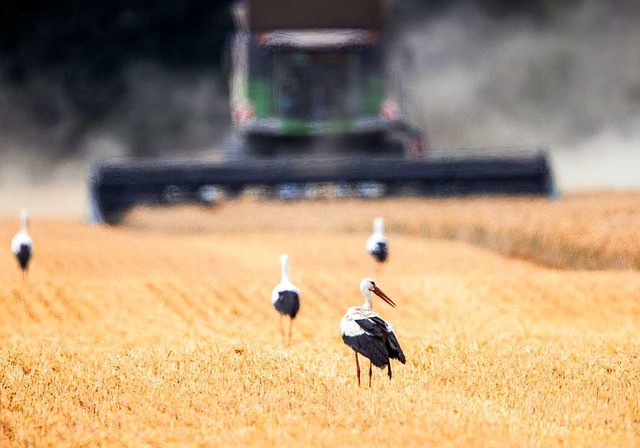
368	334
377	244
286	299
22	245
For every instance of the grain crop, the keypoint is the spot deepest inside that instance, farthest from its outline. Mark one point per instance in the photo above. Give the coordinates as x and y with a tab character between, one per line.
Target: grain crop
162	333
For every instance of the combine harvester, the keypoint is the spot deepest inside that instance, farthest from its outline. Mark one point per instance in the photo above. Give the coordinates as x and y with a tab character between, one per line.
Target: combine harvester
314	116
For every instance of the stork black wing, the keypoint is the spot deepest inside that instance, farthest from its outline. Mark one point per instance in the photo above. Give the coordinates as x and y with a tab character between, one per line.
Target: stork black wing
372	326
381	252
24	256
395	352
389	338
370	344
288	302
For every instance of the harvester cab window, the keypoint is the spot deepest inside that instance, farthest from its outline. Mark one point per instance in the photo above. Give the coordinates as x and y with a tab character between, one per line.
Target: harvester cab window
317	86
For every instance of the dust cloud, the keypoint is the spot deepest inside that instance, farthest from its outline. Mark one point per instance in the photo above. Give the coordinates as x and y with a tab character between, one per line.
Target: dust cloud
572	84
47	146
148	110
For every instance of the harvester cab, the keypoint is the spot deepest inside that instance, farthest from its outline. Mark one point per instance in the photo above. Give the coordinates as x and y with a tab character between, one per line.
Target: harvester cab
311	81
314	115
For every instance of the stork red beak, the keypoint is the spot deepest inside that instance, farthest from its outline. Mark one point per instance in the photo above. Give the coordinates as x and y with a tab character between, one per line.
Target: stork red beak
377	291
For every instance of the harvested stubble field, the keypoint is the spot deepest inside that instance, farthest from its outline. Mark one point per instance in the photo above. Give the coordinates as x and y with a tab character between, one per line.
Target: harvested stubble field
161	333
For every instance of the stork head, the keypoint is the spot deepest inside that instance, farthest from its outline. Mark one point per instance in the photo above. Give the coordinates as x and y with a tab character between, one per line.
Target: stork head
368	286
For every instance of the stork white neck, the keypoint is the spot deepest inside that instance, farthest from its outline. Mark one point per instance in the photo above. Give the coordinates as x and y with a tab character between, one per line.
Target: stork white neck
366	292
24	219
378	226
284	261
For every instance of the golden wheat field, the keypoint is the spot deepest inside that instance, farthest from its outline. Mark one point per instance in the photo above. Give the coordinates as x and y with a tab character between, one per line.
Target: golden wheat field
162	332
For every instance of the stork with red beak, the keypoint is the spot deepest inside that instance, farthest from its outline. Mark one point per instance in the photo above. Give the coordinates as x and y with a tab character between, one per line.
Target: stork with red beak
368	334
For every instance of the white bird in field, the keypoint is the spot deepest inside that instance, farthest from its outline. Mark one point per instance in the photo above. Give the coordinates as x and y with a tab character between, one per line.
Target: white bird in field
377	244
286	299
22	245
368	334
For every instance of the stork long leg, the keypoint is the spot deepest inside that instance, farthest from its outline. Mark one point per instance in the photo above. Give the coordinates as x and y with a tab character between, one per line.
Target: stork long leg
282	329
370	372
389	369
290	330
357	368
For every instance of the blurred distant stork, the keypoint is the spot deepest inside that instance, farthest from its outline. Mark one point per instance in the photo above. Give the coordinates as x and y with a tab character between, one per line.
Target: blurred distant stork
368	334
286	299
377	244
22	245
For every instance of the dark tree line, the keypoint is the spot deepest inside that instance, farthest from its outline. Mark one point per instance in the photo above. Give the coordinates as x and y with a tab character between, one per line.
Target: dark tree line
79	50
94	39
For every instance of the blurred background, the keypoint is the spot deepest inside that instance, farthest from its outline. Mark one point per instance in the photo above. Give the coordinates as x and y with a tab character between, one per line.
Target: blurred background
81	80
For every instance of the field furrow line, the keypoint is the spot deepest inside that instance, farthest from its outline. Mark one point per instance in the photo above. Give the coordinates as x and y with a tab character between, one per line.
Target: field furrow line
185	298
213	301
169	303
27	307
239	299
72	301
49	307
332	293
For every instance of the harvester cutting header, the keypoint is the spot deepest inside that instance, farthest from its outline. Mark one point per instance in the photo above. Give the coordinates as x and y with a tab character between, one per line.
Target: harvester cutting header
313	115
